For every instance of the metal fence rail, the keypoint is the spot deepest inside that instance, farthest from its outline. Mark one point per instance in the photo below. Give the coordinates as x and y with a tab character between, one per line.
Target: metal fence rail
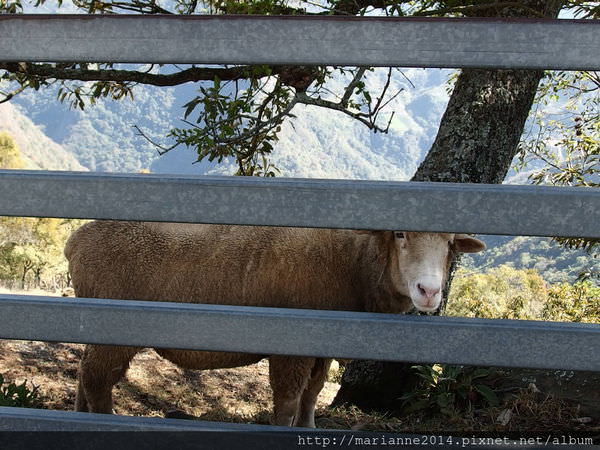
364	41
510	343
476	208
25	419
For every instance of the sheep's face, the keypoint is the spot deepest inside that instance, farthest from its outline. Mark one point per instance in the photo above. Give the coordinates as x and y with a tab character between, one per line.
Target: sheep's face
423	261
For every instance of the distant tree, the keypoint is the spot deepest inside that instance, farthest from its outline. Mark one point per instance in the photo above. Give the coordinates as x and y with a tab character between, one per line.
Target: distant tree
10	157
30	248
500	293
573	303
507	293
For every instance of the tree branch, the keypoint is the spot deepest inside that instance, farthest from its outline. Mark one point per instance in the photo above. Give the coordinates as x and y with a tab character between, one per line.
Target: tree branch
350	88
9	95
487	9
162	149
140	6
185	76
259	128
365	119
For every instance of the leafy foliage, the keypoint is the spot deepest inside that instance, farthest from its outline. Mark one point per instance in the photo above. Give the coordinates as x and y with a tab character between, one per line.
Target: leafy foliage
225	132
19	395
449	390
31	249
573	303
508	293
501	292
567	142
10	157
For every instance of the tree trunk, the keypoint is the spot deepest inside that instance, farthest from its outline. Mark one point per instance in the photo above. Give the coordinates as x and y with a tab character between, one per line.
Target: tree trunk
26	268
481	127
38	277
476	143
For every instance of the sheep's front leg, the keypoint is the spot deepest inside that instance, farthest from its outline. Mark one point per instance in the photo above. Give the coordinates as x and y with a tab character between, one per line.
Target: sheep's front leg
308	402
289	378
100	369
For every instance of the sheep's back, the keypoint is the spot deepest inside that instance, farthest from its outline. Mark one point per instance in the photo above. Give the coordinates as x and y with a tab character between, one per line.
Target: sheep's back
264	266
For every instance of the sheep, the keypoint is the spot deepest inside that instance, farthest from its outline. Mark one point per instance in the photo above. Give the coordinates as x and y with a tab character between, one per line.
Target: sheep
350	270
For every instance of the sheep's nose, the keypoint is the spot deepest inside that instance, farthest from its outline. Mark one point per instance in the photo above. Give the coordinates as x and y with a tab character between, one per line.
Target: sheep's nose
427	291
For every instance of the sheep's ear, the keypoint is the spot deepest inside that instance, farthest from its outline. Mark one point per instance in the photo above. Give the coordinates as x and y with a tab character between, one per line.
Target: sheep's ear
468	244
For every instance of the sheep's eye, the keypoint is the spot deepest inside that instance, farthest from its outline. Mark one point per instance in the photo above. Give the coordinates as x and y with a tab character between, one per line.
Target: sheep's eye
399	235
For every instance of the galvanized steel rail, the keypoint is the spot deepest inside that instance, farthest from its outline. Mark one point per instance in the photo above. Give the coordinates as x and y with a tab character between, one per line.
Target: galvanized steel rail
26	419
302	332
474	208
325	40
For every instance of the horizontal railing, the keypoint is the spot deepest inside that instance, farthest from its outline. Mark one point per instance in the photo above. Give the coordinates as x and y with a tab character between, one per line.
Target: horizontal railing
473	208
302	332
25	419
363	41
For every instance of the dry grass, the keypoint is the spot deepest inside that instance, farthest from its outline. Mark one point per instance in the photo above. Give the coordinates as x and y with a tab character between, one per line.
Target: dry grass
529	413
5	290
152	386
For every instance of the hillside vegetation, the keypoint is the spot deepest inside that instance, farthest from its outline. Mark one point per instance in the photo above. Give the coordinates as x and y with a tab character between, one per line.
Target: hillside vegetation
507	293
555	263
103	138
31	248
38	151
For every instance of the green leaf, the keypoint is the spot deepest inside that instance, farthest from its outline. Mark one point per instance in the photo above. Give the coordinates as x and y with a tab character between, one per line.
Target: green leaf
481	373
488	394
445	400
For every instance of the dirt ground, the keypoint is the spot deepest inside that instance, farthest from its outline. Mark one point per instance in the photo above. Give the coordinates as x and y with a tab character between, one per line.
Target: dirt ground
152	386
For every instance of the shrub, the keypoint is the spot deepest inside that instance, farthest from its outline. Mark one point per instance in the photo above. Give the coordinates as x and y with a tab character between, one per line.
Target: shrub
19	395
502	292
573	303
508	293
449	390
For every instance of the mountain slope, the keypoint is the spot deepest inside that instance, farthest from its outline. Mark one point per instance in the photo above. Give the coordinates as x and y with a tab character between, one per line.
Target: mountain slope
102	136
38	150
321	143
554	262
318	143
